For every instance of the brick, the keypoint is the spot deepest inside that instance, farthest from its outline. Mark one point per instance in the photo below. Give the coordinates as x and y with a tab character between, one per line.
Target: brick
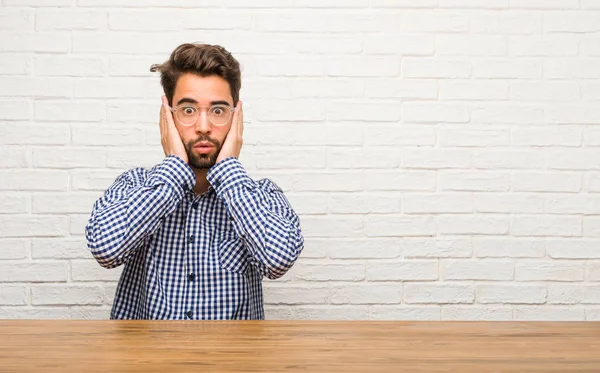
69	19
49	65
393	135
565	294
477	4
542	46
325	22
397	181
14	157
547	182
593	181
332	4
547	136
536	270
367	294
324	182
544	4
435	68
296	295
592	314
500	247
72	111
545	313
355	203
327	44
77	224
399	226
46	42
132	66
60	248
13	203
273	158
507	23
15	110
569	68
15	64
401	4
408	313
370	248
473	313
507	113
573	248
38	134
20	180
38	3
511	294
129	157
554	226
329	272
89	313
106	135
67	157
55	203
573	204
302	134
353	158
547	91
436	158
589	4
436	247
438	293
14	248
33	271
456	136
34	86
98	42
485	181
581	22
365	67
437	203
511	68
401	88
171	20
353	312
31	226
404	45
510	159
280	110
478	269
590	91
65	295
315	87
16	19
440	21
332	226
347	111
90	270
590	229
149	4
470	45
435	112
508	203
290	67
309	203
592	271
409	270
13	295
117	87
31	313
573	114
473	224
473	90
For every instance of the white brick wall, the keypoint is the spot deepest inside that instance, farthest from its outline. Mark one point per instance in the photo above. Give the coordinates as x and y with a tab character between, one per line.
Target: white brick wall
442	154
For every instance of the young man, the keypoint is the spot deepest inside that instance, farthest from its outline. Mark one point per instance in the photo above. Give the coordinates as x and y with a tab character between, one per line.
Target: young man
195	233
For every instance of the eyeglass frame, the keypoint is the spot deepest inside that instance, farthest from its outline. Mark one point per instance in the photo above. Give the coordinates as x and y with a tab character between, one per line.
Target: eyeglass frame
231	111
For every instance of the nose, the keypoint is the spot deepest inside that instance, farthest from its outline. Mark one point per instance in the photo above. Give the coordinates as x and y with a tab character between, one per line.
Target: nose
202	124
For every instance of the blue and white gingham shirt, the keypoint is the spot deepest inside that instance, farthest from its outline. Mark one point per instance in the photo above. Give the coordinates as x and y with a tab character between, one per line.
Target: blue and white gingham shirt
190	256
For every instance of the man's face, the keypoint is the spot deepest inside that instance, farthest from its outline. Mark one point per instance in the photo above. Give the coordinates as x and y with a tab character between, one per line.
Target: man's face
202	140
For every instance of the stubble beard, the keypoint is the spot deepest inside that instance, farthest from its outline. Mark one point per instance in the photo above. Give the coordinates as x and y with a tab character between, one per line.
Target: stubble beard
202	161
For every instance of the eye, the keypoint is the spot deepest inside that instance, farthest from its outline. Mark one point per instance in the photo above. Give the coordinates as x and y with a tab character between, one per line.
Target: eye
217	110
188	110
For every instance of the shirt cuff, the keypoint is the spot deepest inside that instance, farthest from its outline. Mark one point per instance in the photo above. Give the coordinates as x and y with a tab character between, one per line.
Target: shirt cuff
174	172
228	174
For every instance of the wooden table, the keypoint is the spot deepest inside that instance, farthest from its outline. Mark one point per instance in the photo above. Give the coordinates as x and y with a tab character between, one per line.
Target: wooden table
298	346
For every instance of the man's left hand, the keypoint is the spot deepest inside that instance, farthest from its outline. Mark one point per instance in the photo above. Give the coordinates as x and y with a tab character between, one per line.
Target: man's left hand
233	142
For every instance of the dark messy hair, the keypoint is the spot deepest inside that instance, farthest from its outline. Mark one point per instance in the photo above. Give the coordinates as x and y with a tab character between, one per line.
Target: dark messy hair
203	60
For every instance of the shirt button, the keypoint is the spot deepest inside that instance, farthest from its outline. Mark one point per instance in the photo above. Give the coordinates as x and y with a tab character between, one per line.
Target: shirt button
189	314
192	277
195	205
191	238
231	218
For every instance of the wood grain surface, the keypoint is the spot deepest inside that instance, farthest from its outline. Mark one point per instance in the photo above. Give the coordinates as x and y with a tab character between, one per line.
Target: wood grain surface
298	346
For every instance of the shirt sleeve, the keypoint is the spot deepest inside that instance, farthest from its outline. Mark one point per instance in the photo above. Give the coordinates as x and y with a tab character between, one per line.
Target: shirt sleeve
133	207
262	216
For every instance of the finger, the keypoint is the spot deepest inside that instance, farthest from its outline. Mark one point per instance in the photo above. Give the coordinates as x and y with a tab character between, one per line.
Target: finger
168	114
240	118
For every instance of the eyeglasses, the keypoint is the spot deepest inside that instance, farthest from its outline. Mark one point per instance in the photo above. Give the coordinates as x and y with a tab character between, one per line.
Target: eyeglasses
187	115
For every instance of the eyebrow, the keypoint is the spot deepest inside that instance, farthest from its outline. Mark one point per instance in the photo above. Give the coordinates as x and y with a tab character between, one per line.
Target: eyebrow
192	101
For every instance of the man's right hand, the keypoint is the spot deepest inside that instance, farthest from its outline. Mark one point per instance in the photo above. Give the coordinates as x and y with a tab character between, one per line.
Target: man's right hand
169	137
